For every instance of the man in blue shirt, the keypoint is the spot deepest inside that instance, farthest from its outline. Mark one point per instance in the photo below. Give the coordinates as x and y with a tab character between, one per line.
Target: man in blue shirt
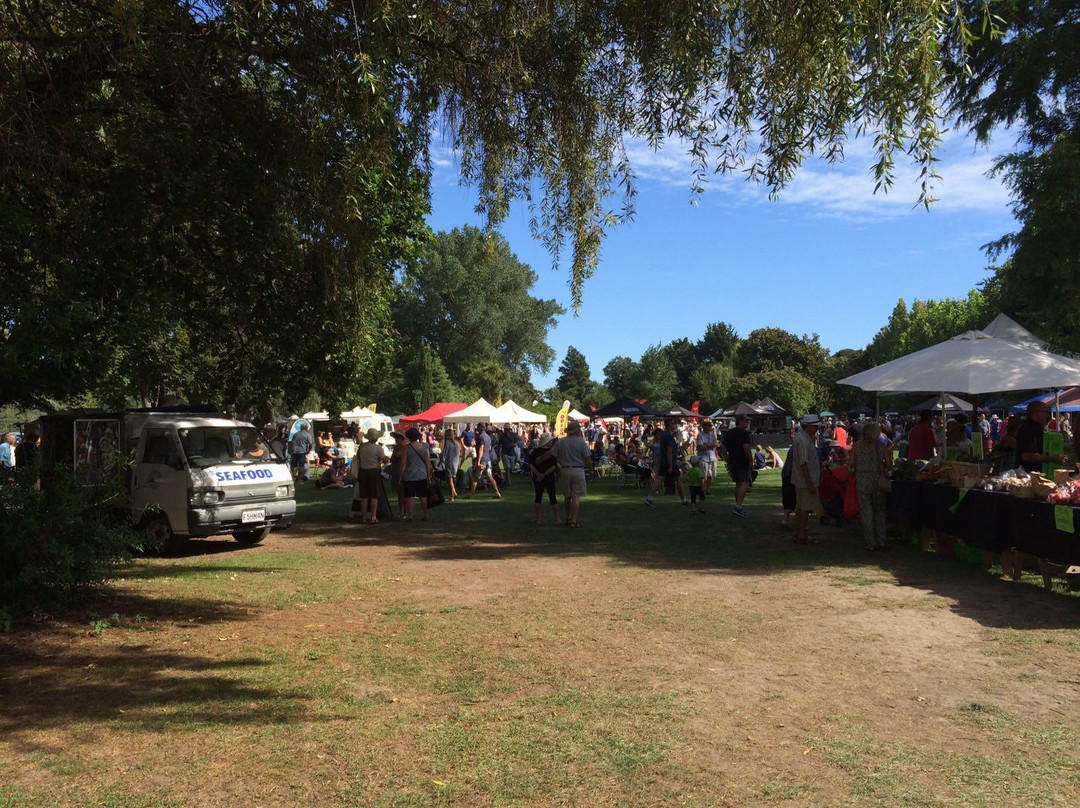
302	443
508	453
468	440
7	459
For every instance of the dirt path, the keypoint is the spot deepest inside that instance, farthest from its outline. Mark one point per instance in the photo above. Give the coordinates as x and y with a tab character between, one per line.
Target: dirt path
868	685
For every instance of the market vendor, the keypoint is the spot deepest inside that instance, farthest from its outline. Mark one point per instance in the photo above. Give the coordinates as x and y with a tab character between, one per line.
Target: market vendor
1029	439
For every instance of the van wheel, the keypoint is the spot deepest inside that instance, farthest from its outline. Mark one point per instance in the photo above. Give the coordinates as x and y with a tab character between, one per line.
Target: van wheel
251	536
164	538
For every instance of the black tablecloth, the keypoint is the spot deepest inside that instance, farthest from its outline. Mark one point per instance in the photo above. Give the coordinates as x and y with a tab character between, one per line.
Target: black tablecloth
988	519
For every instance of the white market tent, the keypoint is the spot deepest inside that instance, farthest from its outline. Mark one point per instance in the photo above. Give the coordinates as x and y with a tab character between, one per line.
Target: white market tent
512	413
479	412
316	416
1005	327
357	413
972	363
574	415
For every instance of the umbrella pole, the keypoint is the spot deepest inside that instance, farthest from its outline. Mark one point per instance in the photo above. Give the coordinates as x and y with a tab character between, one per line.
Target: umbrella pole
944	437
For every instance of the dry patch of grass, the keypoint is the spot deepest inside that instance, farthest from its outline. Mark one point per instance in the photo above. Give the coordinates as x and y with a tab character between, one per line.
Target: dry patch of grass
651	659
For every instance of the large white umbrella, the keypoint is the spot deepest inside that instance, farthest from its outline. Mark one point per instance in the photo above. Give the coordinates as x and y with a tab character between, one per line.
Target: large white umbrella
1005	327
973	363
512	413
479	412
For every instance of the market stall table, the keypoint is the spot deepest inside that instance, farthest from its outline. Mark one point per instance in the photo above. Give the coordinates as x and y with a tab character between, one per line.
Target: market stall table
991	520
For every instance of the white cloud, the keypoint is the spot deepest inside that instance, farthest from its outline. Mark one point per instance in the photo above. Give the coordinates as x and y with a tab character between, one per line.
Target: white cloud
846	189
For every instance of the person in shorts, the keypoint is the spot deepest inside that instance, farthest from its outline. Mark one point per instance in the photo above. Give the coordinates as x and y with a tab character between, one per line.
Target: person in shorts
302	443
544	470
707	447
416	473
739	455
573	456
806	474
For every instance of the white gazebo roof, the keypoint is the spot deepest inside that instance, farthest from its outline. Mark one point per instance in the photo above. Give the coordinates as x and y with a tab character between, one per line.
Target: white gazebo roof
513	413
479	412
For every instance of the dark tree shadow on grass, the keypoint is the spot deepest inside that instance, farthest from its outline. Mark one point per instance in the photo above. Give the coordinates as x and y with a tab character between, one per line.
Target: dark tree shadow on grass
134	687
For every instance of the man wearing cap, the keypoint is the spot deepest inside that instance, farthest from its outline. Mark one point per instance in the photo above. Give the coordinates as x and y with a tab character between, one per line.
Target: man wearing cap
302	443
805	474
573	456
739	455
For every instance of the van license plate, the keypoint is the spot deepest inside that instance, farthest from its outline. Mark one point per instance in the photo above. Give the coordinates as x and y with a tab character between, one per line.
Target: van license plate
257	515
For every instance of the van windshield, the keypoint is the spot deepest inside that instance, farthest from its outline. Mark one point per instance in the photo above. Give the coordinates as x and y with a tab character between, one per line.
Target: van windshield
216	445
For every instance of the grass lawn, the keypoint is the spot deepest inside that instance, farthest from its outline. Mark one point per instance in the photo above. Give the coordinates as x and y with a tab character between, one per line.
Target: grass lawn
649	658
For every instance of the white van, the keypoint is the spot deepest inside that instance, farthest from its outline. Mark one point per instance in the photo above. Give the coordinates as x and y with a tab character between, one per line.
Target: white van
196	473
382	423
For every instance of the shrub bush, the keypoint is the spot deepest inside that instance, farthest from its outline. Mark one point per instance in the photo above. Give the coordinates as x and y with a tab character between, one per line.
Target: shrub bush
61	541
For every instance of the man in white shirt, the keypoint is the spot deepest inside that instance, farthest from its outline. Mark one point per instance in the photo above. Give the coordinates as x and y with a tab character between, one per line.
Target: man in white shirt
806	475
707	447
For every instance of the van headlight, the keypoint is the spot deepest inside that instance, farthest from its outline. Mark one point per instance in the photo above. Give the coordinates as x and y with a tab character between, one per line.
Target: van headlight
205	496
283	491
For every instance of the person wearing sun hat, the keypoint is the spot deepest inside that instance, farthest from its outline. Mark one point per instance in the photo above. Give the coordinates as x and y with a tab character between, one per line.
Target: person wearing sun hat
367	469
573	456
806	474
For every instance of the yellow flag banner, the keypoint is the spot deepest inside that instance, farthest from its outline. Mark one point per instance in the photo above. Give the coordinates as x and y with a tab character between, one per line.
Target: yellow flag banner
561	420
372	406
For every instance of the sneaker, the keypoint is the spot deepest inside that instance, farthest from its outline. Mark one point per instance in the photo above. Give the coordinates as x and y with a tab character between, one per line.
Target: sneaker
740	511
686	502
648	500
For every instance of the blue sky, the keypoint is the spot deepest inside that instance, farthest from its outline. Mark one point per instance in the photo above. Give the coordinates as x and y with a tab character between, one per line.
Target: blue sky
829	257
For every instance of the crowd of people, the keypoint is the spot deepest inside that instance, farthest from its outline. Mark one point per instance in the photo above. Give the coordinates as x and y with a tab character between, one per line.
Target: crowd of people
676	456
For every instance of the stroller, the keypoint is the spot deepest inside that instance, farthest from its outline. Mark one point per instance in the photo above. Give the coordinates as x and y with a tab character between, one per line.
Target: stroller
833	490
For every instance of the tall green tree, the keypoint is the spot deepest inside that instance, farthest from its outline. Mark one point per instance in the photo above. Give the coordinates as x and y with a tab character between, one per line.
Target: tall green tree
574	380
1029	82
684	359
202	198
927	323
770	348
181	178
718	343
620	375
784	385
469	297
656	379
715	380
